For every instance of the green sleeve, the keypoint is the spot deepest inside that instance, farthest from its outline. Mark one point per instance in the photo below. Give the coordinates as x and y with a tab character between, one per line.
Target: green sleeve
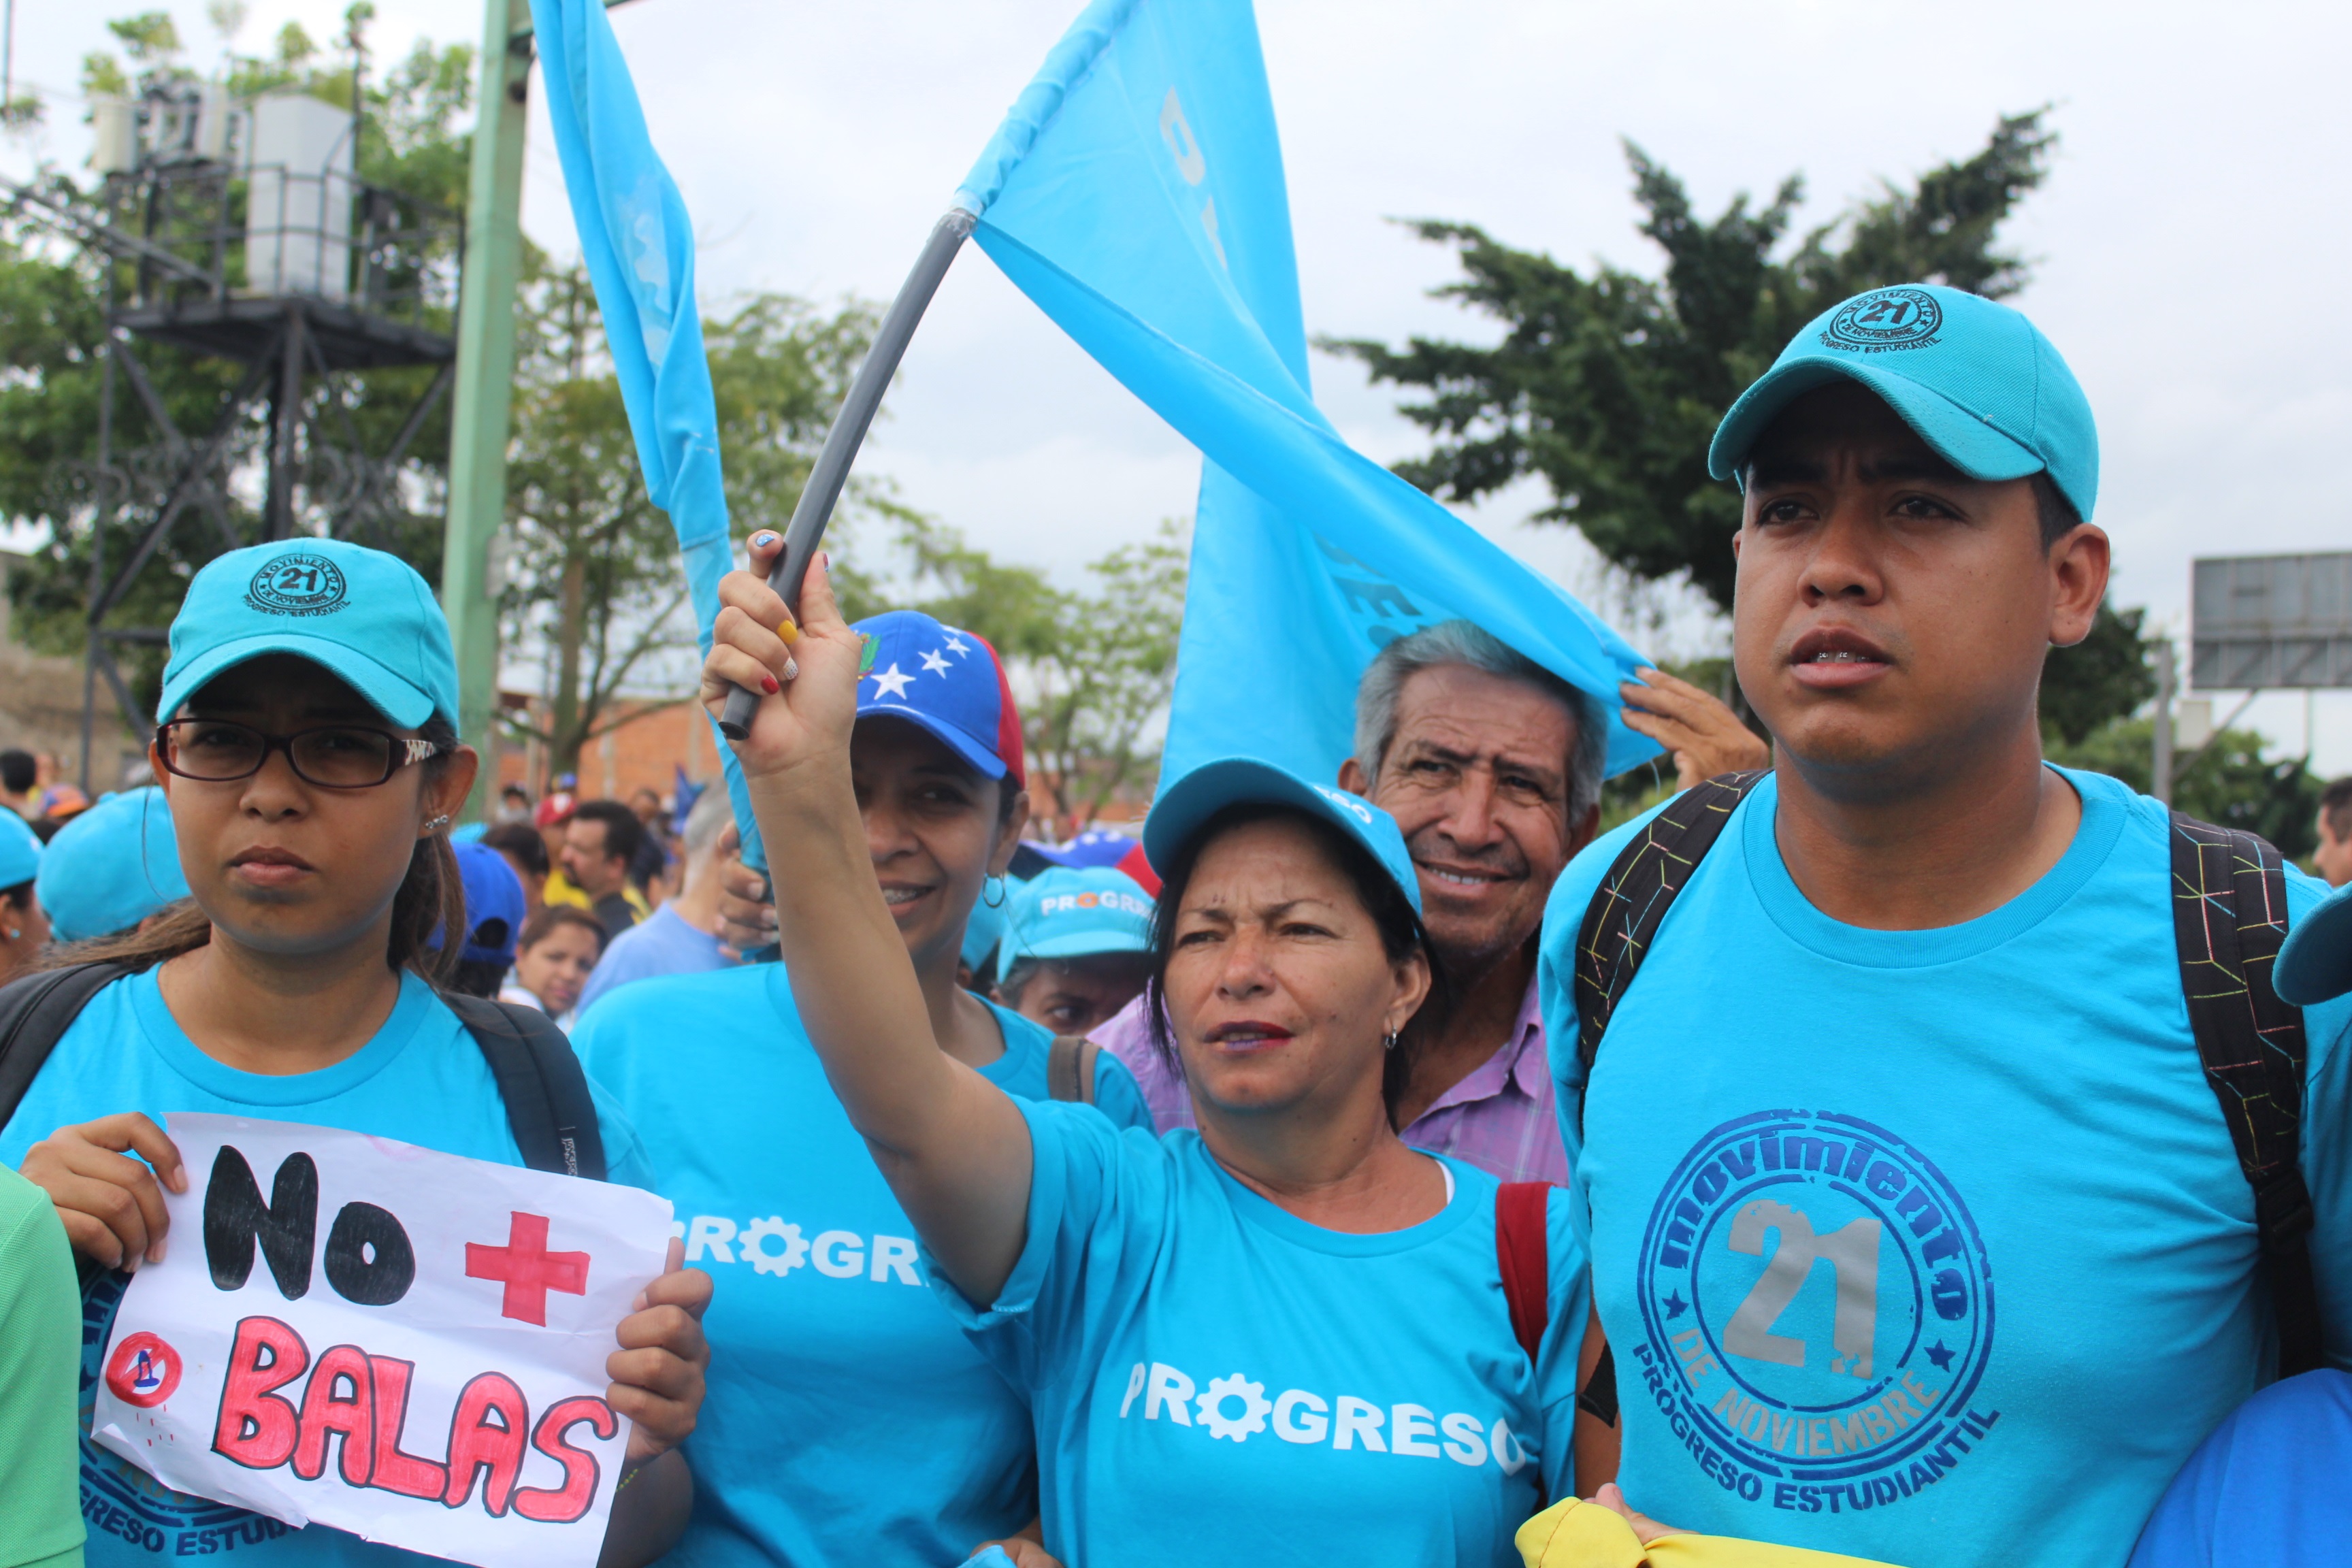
40	1363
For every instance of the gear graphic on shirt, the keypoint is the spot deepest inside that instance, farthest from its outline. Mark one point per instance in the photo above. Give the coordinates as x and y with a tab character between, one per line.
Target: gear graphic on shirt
761	1260
1255	1407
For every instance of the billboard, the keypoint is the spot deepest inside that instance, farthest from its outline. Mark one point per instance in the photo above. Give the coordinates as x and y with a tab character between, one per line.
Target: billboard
2266	622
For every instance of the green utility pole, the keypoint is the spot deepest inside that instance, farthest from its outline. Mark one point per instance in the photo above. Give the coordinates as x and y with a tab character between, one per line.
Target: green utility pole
486	361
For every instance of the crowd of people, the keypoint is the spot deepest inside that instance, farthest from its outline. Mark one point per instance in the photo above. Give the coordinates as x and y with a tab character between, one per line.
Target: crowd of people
1391	1166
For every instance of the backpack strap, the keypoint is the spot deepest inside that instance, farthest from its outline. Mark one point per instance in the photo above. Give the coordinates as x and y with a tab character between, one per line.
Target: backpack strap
35	1014
1070	1069
1523	1248
546	1092
2229	916
1633	897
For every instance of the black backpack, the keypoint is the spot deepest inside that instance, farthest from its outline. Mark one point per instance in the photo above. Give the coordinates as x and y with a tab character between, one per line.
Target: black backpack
2229	903
546	1093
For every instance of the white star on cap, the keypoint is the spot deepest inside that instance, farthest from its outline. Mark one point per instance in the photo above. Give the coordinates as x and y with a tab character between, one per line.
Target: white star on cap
957	646
933	664
890	682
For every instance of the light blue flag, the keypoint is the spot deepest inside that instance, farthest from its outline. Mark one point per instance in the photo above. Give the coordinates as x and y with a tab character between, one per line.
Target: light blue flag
638	245
1136	193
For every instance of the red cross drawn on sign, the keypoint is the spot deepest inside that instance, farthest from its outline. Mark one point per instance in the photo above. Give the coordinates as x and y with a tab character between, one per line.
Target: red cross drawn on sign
528	1269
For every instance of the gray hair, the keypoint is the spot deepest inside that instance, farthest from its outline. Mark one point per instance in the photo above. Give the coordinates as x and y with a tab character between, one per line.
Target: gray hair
1462	642
707	818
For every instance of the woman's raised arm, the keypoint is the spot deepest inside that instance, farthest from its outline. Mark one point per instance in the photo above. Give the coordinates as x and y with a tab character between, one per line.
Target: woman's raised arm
954	1147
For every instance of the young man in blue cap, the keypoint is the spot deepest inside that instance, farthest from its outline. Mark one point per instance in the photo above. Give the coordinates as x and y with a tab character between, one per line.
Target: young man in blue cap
1918	1232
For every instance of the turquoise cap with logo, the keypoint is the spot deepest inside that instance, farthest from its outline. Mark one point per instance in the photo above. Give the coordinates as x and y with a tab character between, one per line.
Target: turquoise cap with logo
1075	912
1976	379
2315	964
111	866
362	614
1184	806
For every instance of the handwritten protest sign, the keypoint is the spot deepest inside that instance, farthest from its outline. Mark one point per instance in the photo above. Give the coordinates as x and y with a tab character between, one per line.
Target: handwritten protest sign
403	1344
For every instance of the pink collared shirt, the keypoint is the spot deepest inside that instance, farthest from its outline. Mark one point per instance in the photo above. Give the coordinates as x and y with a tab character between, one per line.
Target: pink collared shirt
1498	1118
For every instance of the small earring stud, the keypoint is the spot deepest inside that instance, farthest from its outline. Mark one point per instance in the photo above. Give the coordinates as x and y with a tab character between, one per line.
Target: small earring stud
437	824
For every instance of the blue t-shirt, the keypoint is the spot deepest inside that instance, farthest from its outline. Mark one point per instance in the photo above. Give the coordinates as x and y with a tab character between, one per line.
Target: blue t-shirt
1217	1381
848	1421
661	944
1922	1245
421	1080
2267	1488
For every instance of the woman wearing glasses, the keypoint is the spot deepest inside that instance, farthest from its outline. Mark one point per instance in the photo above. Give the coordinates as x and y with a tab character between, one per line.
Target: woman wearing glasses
311	754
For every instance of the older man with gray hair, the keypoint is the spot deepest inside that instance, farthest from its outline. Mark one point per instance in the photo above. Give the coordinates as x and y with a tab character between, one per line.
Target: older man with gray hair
682	936
1491	765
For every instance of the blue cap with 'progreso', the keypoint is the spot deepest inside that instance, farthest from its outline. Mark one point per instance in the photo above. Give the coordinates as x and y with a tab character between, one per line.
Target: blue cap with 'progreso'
111	866
1073	912
365	615
1978	381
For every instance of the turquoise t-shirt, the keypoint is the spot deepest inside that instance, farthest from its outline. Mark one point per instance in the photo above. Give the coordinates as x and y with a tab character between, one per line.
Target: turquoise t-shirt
1217	1381
421	1080
848	1421
1924	1245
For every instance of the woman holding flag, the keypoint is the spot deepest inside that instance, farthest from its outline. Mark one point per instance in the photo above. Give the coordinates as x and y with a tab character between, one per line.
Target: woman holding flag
311	754
1289	1323
854	1423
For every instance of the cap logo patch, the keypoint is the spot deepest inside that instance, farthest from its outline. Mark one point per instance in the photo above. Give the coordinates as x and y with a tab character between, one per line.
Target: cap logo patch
868	646
1347	803
297	584
1883	320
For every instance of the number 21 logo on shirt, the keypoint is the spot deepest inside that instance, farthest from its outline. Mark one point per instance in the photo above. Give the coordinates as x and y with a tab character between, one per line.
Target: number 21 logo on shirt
1818	1310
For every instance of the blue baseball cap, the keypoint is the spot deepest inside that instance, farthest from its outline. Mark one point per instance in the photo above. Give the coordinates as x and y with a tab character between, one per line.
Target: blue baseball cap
1075	912
362	614
951	682
111	866
1978	381
20	852
1184	806
494	905
2315	964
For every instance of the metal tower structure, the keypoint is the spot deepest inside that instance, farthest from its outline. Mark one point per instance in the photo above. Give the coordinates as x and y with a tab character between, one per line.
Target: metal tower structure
274	257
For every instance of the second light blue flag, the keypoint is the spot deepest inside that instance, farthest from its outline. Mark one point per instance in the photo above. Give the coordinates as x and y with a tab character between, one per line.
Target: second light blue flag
1136	193
638	245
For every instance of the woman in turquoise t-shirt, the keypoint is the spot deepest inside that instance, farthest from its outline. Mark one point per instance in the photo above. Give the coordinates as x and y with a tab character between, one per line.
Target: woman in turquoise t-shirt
312	761
854	1423
1285	1336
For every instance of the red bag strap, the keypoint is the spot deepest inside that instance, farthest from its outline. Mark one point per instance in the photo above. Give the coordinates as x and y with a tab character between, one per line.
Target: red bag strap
1524	1250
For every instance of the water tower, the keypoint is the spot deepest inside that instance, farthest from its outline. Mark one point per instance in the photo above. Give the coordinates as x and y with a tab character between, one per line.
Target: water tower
242	233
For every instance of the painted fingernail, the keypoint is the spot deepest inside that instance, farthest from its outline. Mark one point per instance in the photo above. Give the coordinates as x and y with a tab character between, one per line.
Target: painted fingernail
768	684
788	631
761	539
791	668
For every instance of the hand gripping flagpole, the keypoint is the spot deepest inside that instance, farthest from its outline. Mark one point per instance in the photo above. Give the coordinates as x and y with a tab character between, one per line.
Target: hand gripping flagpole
823	490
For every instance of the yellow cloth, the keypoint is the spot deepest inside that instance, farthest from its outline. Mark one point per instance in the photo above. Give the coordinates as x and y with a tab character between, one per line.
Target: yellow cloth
1573	1534
559	890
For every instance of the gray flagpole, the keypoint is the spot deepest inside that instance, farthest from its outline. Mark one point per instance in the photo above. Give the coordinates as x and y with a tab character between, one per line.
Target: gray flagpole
823	490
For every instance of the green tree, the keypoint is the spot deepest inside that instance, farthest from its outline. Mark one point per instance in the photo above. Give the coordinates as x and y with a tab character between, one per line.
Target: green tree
2229	782
1609	385
2103	678
593	581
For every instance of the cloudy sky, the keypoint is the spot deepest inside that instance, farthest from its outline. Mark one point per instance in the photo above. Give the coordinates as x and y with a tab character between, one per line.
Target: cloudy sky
2188	244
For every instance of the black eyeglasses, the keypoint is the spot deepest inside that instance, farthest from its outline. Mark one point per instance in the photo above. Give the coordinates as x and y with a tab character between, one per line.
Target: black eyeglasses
333	756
